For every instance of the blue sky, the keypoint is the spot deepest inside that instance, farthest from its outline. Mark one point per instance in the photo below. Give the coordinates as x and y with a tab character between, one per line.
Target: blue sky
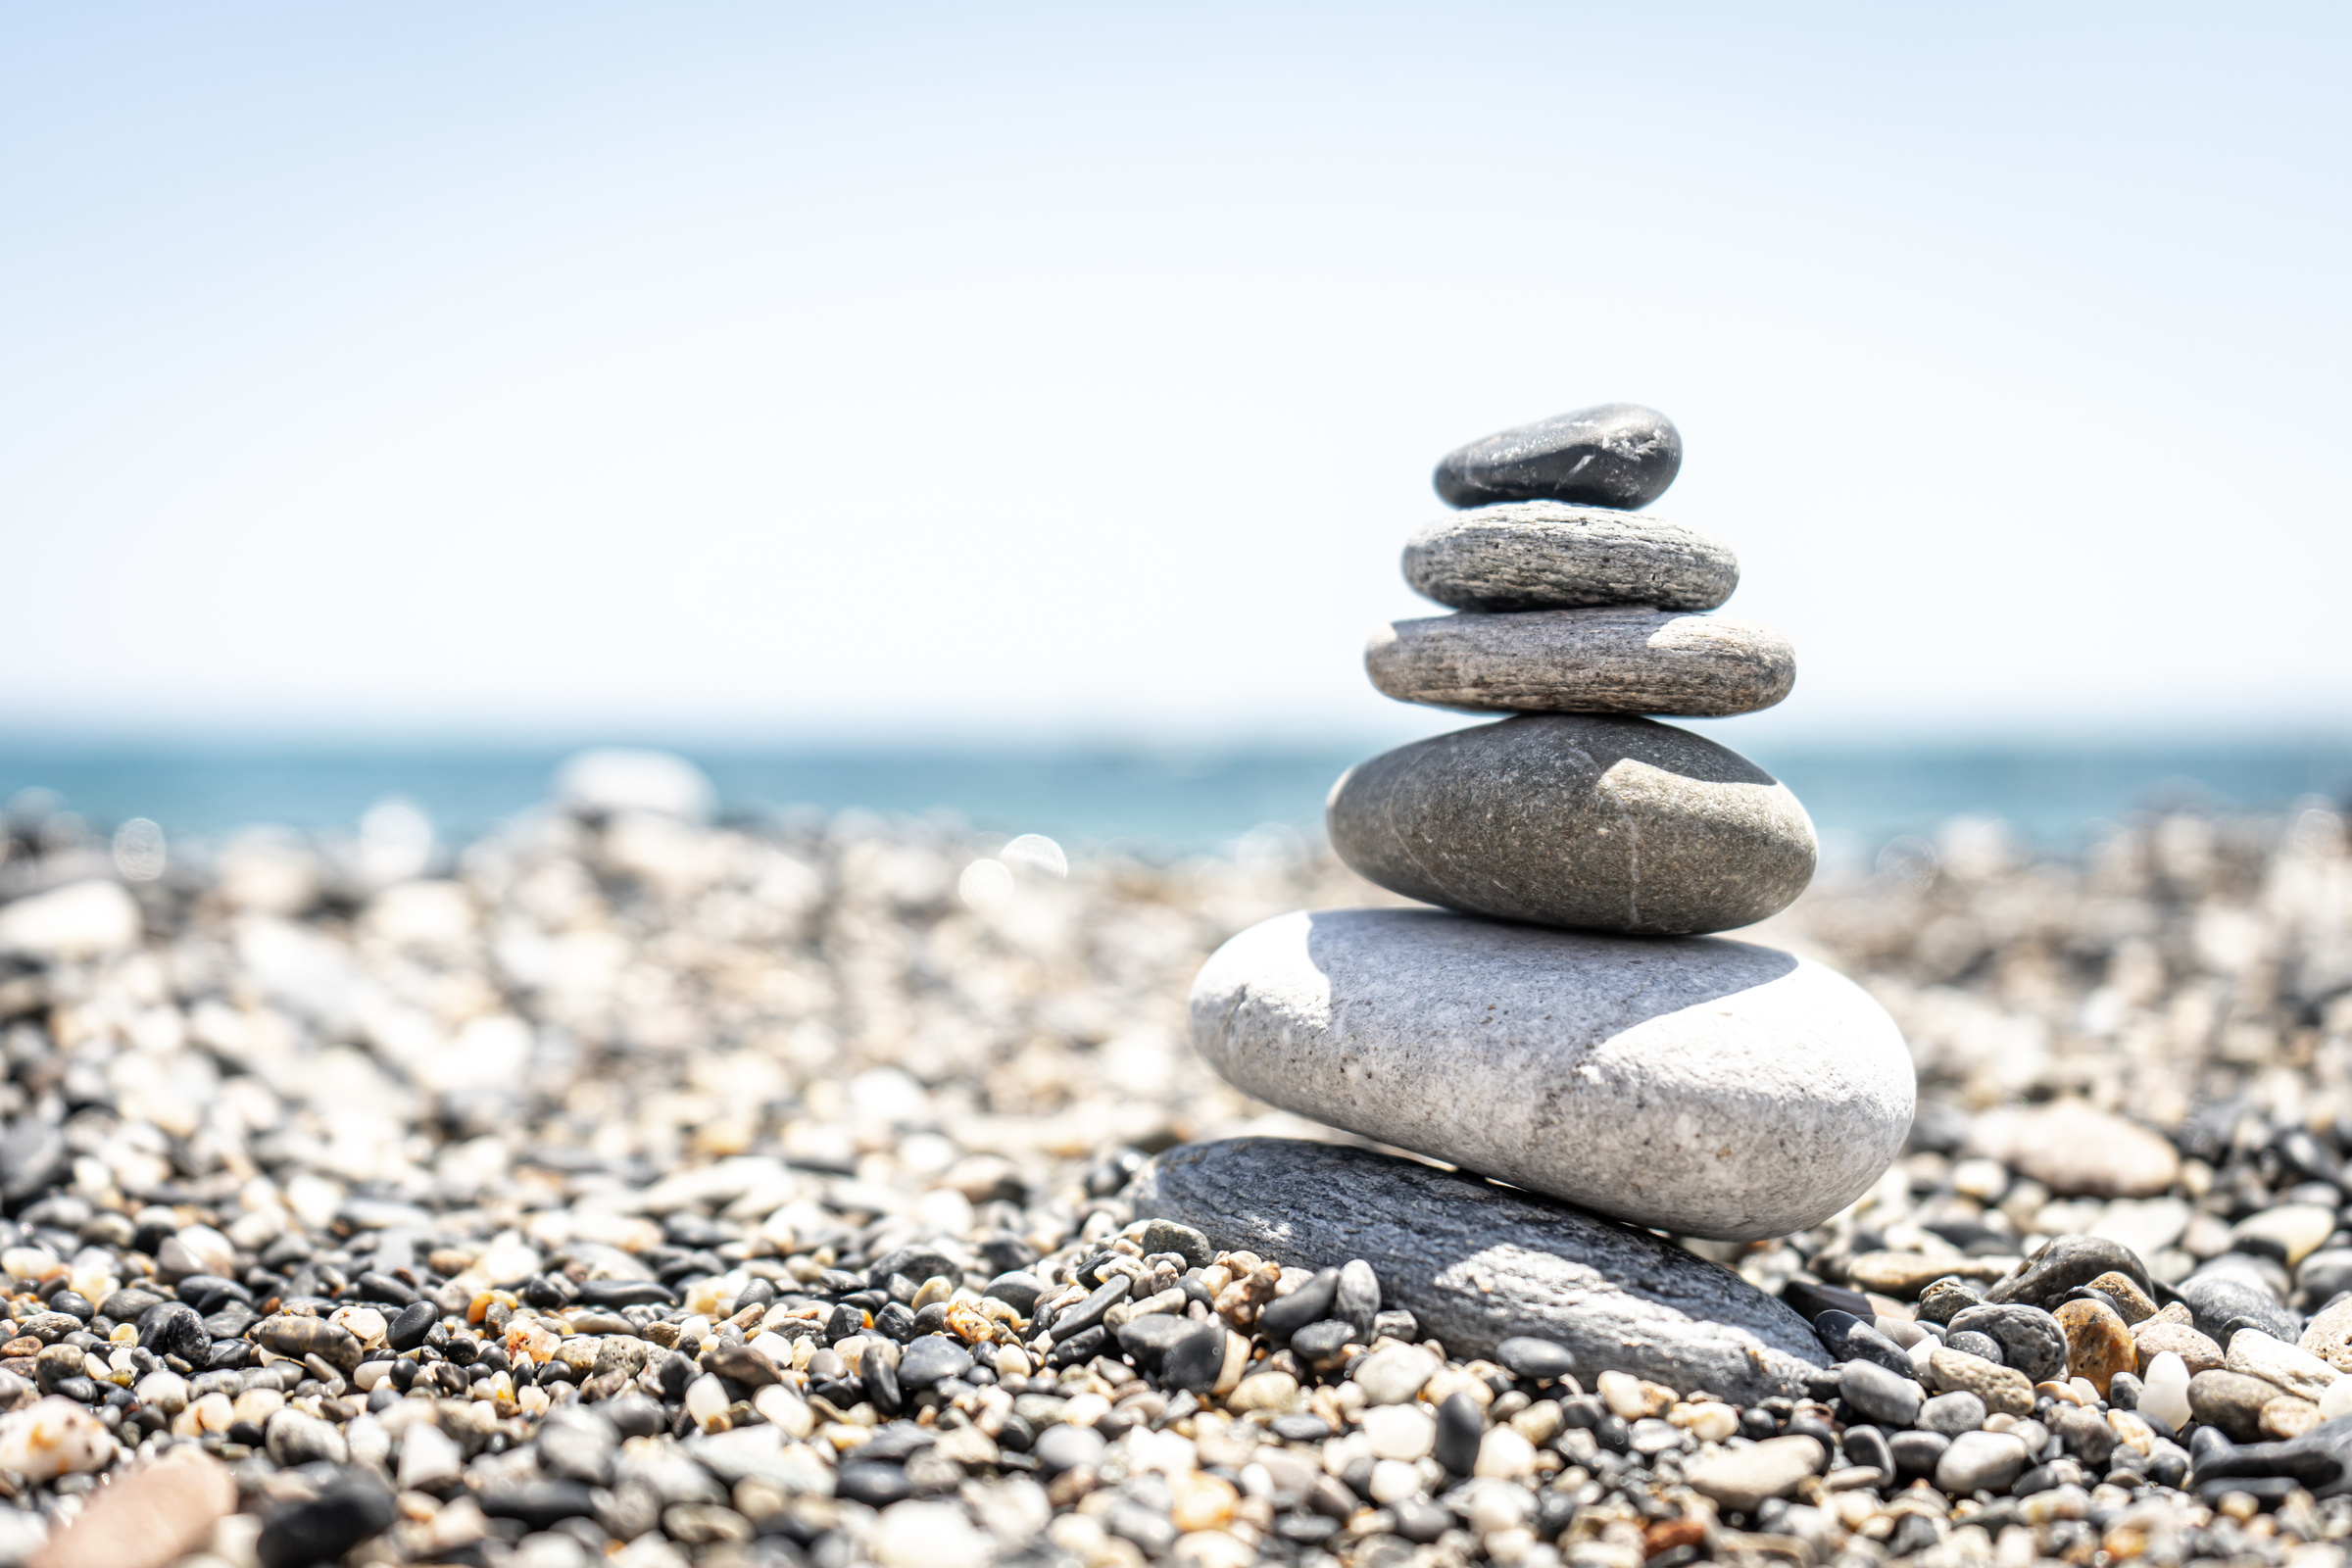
993	372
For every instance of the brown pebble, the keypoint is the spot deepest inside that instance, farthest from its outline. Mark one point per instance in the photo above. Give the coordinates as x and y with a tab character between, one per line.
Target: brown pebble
2288	1417
2129	1299
2156	1335
2099	1342
2233	1402
2002	1387
151	1515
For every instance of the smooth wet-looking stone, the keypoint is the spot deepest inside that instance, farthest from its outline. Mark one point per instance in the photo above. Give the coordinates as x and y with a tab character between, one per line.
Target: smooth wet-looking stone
1593	820
1705	1087
1621	659
1611	454
1478	1264
1544	555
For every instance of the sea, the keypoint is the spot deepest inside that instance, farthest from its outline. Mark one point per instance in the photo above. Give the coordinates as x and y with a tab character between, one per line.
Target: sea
1144	799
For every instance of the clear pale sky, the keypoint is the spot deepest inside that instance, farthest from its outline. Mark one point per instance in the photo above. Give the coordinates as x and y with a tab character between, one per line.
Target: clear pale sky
1004	371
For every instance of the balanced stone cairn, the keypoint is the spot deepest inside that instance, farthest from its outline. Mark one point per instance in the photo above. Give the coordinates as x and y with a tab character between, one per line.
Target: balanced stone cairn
1561	1022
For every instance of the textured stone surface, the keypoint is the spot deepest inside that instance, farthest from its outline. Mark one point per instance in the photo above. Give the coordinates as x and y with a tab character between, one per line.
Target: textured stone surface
1622	660
151	1516
2329	1336
1611	454
2002	1387
1478	1263
1542	554
2233	1402
1597	820
1740	1479
2155	1337
1711	1087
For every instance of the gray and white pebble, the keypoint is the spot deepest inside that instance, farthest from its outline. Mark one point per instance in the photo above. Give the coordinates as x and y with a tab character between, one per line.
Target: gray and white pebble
1612	455
1620	660
1706	1086
1478	1264
2031	1340
1593	820
1951	1413
1879	1394
1988	1461
2224	1303
1544	555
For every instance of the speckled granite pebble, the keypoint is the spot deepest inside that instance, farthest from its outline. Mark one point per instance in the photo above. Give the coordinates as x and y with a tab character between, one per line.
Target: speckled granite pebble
1711	1087
1598	821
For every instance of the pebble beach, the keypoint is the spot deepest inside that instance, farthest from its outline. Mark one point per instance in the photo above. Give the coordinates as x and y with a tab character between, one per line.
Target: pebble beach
627	1186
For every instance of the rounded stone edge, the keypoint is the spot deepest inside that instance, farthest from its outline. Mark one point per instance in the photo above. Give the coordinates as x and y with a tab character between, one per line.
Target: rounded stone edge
1585	660
1565	557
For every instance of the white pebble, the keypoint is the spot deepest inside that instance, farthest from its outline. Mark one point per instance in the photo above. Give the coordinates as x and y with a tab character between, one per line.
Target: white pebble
2164	1391
1393	1481
2335	1399
1400	1430
706	1399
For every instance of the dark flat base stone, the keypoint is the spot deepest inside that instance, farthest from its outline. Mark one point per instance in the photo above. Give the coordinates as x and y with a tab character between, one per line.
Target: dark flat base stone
1478	1263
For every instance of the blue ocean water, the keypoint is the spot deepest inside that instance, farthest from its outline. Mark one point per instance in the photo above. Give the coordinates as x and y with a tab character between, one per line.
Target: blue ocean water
1153	800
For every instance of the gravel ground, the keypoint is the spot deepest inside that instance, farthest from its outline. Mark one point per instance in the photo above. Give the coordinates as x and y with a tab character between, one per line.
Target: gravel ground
624	1188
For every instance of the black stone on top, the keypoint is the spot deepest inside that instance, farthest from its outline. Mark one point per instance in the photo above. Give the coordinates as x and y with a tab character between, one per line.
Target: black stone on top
1618	455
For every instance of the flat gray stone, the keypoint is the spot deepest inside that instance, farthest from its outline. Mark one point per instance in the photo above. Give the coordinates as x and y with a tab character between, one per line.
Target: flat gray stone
1704	1087
1620	660
1595	820
1478	1263
1546	555
1613	455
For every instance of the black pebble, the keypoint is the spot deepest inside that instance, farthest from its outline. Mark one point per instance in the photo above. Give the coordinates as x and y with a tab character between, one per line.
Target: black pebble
1758	1424
881	1381
872	1481
539	1504
1916	1453
1299	1427
1811	1298
1613	455
844	1321
1868	1445
1541	1359
1310	1302
1193	1362
895	1321
411	1324
327	1527
1321	1343
2122	1391
172	1328
1460	1426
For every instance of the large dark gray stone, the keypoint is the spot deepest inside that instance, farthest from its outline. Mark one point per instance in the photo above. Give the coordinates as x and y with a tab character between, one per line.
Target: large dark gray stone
1621	659
1478	1263
1595	820
1543	555
1613	455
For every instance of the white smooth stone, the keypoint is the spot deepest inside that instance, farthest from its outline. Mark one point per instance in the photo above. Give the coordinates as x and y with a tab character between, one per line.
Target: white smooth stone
2164	1391
1700	1086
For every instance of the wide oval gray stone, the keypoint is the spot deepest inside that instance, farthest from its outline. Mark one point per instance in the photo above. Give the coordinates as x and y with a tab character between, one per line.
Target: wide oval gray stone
1619	659
1595	820
1702	1086
1613	455
1477	1265
1547	555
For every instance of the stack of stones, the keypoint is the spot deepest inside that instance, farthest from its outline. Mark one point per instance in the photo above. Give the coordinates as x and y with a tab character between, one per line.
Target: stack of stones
1561	1022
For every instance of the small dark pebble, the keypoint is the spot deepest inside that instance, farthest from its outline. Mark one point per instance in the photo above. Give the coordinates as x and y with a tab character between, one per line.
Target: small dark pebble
411	1324
873	1483
1541	1359
327	1526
